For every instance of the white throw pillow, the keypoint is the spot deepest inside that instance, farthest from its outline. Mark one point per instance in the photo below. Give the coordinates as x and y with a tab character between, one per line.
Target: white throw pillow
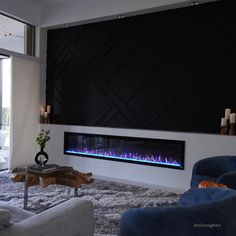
5	217
17	214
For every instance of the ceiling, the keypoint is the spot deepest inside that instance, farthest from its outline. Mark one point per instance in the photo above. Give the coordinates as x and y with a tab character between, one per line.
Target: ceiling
46	2
10	28
58	12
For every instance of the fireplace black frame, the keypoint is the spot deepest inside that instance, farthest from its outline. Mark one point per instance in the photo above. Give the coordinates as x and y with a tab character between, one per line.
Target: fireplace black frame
163	141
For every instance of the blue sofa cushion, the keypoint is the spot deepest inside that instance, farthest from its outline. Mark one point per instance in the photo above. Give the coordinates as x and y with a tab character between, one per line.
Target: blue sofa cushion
5	217
216	218
205	195
213	219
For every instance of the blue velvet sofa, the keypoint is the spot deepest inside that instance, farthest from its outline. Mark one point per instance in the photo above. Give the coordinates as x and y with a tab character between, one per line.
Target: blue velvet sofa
200	212
219	169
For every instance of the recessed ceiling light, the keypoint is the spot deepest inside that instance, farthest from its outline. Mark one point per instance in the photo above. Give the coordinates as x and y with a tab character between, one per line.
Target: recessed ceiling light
64	26
194	3
120	16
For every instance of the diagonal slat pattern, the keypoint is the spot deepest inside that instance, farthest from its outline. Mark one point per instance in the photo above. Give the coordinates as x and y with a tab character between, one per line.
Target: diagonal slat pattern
164	70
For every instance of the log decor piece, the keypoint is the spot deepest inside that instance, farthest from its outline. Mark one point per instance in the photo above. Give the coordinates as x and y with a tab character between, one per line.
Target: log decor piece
62	175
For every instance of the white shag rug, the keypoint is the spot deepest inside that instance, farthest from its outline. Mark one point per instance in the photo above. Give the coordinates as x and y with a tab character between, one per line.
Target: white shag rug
110	199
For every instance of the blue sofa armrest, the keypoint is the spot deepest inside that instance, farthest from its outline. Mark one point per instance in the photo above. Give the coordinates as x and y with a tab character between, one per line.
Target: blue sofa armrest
211	219
214	166
209	169
228	179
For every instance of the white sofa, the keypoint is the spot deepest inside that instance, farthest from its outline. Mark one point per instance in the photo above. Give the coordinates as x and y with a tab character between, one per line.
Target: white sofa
71	218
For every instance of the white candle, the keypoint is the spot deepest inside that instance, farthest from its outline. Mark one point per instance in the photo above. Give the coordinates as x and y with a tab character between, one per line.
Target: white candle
223	121
232	118
41	111
45	115
227	113
48	109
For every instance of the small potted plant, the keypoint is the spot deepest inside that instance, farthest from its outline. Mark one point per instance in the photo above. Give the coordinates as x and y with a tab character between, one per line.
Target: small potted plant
41	157
42	138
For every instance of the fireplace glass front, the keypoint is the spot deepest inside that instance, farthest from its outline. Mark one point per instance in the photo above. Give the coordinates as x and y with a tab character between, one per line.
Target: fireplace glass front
155	152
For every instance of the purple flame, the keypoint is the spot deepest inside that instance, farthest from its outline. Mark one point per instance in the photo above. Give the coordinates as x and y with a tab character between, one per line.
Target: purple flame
127	155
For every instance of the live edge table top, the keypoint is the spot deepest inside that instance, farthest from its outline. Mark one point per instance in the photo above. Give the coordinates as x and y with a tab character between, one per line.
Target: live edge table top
63	175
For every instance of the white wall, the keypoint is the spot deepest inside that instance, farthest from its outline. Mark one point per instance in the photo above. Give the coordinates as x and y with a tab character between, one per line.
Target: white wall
197	146
16	44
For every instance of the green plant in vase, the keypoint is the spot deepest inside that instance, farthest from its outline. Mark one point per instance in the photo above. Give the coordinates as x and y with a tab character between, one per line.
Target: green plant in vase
42	138
41	157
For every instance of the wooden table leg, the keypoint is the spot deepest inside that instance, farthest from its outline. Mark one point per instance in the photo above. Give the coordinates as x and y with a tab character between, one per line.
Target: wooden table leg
25	196
76	192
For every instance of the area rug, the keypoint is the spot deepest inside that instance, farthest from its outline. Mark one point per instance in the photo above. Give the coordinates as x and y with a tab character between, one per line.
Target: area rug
110	199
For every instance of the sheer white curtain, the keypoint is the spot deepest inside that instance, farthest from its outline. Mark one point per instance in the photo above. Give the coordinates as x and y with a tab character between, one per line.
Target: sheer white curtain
24	110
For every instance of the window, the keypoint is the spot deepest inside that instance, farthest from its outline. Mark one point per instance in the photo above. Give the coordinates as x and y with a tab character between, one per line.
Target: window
16	36
5	98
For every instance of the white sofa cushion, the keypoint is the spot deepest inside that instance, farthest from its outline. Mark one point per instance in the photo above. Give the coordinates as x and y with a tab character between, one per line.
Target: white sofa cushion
17	214
73	217
5	217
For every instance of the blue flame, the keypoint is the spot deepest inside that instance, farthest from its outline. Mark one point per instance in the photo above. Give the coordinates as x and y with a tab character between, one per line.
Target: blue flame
130	156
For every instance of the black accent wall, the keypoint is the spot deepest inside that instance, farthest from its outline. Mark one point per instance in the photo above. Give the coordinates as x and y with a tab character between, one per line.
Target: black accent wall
173	70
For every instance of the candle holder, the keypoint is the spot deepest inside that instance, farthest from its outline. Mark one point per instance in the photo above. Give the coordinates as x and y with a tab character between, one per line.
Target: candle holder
227	117
227	126
45	115
223	126
49	118
232	129
41	119
223	130
45	120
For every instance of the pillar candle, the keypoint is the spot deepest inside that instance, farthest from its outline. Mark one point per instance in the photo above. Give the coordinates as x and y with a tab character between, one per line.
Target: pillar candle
227	113
48	109
232	118
223	121
41	111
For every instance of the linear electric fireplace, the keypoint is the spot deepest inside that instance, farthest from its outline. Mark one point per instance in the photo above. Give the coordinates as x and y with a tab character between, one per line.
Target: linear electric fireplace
156	152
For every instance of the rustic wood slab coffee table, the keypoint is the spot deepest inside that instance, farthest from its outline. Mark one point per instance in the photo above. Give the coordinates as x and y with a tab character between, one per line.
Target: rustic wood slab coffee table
62	175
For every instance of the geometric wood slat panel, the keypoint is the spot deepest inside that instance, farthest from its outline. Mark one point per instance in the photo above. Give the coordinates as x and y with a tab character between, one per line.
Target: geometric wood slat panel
172	70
